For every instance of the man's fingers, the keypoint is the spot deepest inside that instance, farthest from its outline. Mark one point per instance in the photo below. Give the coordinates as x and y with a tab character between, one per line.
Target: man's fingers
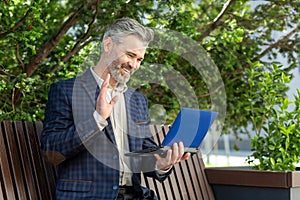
186	156
175	153
180	151
164	162
103	107
103	89
156	156
114	100
107	78
105	84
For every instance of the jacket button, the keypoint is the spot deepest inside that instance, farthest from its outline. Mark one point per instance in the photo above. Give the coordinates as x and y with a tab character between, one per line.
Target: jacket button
115	157
115	187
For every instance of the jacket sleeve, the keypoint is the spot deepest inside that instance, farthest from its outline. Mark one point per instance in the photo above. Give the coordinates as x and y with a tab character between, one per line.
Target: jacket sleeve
60	138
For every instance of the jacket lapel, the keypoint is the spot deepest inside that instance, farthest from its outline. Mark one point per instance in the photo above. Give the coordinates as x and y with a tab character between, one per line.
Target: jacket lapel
88	82
132	130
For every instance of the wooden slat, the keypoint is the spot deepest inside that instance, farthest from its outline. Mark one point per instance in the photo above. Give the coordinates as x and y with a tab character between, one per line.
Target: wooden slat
177	179
14	156
173	190
5	172
34	149
201	190
1	191
23	171
48	169
28	170
208	193
189	194
195	178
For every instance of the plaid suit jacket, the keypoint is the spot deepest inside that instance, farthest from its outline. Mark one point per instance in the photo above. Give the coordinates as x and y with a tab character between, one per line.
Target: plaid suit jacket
87	159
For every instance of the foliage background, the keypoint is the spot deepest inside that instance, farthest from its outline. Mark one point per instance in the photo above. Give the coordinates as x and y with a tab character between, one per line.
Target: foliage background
44	41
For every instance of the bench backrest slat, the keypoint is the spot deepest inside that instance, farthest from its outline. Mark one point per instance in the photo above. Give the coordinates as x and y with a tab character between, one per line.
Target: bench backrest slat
38	161
22	168
26	160
14	153
8	191
48	169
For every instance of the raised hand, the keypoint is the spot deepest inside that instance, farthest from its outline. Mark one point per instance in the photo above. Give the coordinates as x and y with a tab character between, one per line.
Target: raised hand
103	107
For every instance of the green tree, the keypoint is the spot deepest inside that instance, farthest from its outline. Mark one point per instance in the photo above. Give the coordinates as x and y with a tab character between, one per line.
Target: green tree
46	41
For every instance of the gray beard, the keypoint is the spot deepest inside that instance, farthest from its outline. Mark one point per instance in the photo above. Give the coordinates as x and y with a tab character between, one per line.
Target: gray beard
116	74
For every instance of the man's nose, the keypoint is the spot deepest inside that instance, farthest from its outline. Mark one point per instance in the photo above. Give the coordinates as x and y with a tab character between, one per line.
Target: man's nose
133	63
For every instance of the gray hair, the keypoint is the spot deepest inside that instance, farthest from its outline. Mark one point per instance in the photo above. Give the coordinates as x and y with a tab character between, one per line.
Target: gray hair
126	26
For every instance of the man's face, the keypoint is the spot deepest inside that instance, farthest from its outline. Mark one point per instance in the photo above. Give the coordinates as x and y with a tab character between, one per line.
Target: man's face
126	58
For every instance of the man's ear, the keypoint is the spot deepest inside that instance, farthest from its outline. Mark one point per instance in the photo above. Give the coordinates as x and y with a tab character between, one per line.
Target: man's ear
108	43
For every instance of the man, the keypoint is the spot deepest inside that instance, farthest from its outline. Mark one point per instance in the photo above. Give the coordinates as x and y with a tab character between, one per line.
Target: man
93	119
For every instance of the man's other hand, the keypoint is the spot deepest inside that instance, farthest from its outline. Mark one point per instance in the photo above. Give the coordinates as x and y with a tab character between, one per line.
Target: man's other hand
173	156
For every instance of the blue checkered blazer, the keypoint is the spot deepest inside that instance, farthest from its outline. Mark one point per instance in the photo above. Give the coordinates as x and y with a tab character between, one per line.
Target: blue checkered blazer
87	158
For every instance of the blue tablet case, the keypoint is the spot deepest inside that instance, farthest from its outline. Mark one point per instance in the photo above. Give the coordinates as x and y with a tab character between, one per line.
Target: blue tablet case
190	127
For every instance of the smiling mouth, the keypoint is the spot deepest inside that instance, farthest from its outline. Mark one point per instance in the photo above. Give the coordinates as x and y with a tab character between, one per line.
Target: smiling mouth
127	71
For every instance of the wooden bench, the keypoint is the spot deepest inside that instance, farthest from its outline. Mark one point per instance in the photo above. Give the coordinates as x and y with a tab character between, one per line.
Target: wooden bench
24	174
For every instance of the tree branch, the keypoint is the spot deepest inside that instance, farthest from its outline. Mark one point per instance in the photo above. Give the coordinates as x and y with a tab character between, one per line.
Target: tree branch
53	41
18	24
217	21
277	44
83	37
267	50
18	55
295	3
70	54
